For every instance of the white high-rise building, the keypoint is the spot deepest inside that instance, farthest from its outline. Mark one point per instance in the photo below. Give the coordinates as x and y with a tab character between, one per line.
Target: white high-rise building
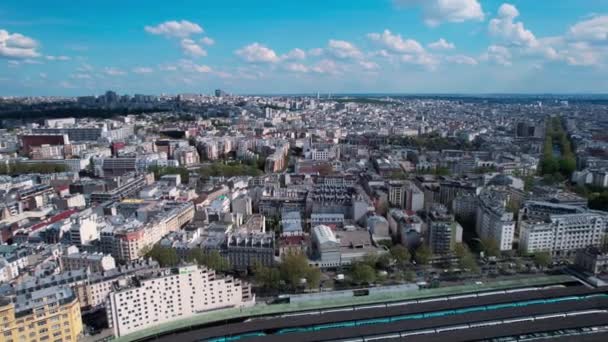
172	294
493	221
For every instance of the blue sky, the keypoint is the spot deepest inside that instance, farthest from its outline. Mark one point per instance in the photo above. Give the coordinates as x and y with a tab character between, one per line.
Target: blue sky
243	46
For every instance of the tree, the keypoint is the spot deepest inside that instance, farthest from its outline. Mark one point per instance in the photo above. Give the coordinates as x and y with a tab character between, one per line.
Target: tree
370	259
267	277
542	259
212	260
165	256
362	273
468	262
313	277
294	267
490	247
401	255
423	254
384	261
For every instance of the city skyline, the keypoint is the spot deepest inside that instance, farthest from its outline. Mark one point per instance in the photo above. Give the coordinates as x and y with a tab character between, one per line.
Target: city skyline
399	47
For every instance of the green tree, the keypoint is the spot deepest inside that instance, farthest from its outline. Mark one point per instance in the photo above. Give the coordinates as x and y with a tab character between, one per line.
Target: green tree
384	261
469	262
542	259
267	277
423	254
165	256
294	267
313	277
362	273
460	250
212	260
401	255
490	247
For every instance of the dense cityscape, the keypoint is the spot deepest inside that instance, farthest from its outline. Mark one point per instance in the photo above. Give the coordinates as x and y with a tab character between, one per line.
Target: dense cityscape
195	203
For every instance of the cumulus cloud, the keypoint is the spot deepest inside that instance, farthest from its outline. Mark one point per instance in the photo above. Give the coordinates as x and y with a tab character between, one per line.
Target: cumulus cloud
191	48
190	66
369	65
179	29
497	54
441	44
257	53
295	54
316	52
425	60
584	54
326	66
436	12
505	27
207	41
396	43
461	59
111	71
343	49
16	45
142	70
296	67
594	29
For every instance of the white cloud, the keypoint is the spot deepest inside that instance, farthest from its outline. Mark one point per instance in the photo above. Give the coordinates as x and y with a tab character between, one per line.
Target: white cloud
207	41
584	54
113	71
316	52
296	67
454	11
257	53
189	47
43	75
441	44
179	29
343	49
16	45
369	65
295	54
395	43
428	61
497	54
594	29
461	59
190	66
142	70
326	66
57	58
505	27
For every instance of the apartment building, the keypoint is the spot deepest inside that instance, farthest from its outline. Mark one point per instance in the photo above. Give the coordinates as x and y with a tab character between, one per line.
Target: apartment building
494	222
50	314
171	294
563	234
127	242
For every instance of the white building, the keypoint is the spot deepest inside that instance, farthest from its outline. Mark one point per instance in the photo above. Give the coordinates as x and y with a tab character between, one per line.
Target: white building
83	229
173	294
563	235
493	221
325	249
